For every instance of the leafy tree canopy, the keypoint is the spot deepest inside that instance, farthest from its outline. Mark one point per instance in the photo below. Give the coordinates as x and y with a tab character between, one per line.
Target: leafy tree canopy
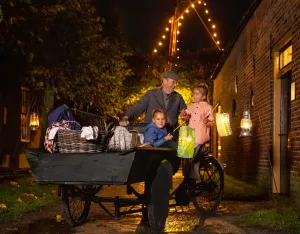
63	44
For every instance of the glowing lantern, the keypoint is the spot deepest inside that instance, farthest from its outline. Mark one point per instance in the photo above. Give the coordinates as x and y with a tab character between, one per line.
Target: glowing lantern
186	142
246	125
34	121
223	124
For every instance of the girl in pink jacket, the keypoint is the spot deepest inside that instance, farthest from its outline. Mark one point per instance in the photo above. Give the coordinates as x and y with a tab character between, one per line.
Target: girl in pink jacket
201	119
199	115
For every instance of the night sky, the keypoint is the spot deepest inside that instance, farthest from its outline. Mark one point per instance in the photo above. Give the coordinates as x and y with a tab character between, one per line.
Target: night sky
142	22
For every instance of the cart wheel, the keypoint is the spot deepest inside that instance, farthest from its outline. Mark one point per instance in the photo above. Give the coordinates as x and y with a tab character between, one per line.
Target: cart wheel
76	210
209	187
158	206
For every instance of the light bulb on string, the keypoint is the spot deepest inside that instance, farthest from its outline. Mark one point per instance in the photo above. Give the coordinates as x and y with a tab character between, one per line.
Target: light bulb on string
213	34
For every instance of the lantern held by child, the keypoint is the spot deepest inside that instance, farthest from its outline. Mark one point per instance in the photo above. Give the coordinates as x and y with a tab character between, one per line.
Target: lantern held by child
186	142
223	124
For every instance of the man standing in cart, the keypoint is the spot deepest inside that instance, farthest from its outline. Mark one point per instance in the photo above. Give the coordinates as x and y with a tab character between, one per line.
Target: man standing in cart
163	98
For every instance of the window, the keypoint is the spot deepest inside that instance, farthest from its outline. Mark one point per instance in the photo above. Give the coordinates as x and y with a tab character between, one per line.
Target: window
25	130
4	115
293	91
251	98
285	56
236	85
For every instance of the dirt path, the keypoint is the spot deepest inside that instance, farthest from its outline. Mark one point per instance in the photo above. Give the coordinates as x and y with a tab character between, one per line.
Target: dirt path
180	220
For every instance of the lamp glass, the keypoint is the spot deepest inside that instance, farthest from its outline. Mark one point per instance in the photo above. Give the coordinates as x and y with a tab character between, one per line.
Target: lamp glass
34	121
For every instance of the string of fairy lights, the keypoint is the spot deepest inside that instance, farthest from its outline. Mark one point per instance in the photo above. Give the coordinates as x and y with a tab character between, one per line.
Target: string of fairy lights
176	23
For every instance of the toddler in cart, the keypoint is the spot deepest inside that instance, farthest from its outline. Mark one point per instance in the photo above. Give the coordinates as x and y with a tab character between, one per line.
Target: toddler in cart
156	132
200	117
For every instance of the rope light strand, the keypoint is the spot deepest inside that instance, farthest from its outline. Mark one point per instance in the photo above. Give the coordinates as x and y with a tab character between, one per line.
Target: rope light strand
176	22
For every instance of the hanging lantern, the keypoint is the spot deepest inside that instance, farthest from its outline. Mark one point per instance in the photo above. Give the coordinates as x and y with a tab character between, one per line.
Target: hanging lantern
246	125
223	124
34	121
186	142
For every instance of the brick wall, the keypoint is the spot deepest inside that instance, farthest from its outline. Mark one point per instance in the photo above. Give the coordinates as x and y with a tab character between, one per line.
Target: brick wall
251	63
295	116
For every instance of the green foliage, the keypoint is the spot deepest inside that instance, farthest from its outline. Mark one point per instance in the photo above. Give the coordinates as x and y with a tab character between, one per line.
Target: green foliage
191	73
63	42
1	14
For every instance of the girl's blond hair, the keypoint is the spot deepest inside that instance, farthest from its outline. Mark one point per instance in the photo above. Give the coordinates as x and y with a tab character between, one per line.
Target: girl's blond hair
154	112
203	89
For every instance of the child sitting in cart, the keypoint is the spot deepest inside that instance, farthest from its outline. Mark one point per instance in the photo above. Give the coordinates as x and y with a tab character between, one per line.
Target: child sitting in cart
200	118
156	132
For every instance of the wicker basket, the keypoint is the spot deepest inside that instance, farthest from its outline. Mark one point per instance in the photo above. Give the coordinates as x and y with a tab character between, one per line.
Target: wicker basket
69	141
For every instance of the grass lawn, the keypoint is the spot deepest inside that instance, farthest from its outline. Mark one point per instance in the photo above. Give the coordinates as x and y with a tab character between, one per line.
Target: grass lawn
282	217
239	190
23	195
277	219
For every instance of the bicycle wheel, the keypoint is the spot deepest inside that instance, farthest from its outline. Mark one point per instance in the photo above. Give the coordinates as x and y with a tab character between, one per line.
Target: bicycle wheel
207	195
76	210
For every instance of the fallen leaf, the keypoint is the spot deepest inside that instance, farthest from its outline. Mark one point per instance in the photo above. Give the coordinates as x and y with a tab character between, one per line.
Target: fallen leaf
54	191
12	229
58	218
29	195
13	183
3	206
19	200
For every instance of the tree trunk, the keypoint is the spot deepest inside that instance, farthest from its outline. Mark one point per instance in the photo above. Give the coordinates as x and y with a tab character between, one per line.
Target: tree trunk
48	107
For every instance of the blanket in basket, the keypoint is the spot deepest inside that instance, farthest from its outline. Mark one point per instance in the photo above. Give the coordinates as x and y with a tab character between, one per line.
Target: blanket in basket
49	142
124	140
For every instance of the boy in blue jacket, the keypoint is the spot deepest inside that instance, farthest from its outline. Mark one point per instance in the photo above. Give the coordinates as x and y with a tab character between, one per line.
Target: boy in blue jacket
156	132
